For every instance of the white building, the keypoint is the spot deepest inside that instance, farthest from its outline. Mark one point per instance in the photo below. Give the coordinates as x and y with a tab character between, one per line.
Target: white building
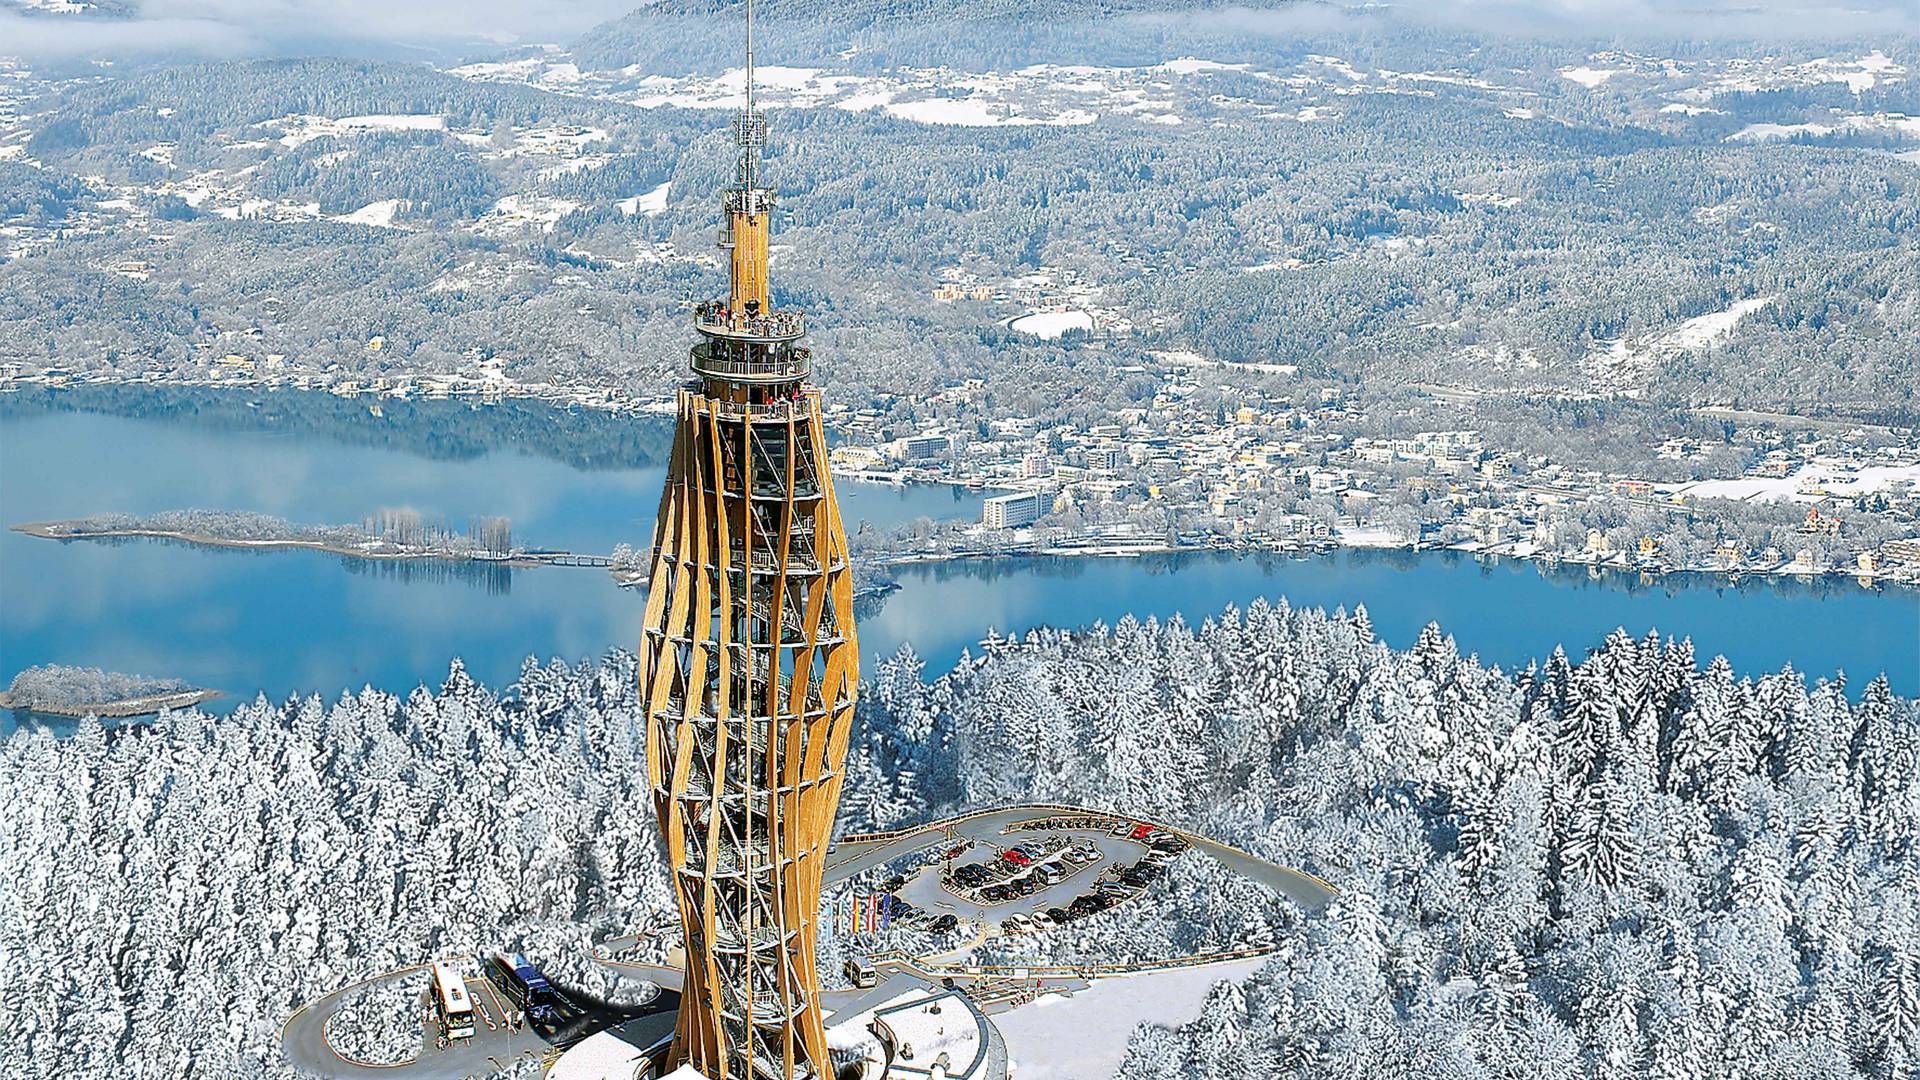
1013	511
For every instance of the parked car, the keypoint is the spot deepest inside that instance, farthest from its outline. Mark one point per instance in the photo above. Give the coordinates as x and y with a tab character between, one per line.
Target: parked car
945	924
1016	924
1041	920
1058	915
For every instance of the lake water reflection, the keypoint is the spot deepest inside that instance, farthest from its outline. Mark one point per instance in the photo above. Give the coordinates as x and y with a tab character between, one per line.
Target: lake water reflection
287	621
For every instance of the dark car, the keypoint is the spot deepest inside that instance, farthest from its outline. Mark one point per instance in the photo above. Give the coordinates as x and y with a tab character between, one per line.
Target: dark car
945	924
1059	915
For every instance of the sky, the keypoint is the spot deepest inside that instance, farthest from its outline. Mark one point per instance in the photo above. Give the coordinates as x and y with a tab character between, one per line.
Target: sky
442	30
281	27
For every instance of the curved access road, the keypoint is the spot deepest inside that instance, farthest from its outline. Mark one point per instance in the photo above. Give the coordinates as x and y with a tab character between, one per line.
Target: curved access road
496	1043
854	854
494	1046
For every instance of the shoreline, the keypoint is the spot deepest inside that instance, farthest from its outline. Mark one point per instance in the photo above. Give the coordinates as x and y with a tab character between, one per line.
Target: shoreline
55	530
1734	577
144	705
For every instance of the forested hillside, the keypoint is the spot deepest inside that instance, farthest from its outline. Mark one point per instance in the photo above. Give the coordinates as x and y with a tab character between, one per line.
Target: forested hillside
1627	866
1379	203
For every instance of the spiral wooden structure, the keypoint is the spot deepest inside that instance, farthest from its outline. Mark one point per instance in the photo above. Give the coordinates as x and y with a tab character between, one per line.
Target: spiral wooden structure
749	666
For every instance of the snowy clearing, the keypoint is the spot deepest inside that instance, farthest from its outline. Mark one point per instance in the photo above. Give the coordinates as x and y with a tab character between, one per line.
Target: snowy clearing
515	211
1810	483
1049	325
1188	65
1704	330
374	213
1587	76
1102	1018
1878	124
975	112
650	204
305	129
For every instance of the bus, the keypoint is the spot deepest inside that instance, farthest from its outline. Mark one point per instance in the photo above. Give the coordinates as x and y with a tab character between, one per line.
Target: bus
451	1002
523	982
860	972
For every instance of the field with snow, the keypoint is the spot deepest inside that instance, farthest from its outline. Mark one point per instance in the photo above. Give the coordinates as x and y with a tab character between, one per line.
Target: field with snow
1624	366
1809	484
1049	325
1102	1017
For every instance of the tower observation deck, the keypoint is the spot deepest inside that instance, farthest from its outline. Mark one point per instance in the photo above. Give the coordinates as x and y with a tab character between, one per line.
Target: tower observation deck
748	662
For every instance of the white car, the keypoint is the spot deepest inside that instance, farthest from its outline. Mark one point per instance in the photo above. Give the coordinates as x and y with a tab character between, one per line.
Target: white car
1016	924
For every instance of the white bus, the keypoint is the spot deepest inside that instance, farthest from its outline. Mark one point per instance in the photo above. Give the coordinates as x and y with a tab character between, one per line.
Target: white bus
451	1001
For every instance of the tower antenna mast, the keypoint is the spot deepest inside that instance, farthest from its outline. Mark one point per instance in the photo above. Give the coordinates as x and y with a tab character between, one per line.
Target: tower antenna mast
751	125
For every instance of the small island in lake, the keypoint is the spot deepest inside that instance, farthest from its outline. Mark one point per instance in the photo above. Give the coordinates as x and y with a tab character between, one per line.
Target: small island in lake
77	691
389	534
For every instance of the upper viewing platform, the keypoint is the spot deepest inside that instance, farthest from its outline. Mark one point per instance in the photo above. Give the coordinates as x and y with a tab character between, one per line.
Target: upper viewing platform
718	319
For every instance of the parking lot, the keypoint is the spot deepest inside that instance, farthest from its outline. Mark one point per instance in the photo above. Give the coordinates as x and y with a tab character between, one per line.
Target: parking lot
1024	876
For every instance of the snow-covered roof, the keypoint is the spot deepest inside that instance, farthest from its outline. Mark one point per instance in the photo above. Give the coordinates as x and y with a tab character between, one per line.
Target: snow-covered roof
606	1056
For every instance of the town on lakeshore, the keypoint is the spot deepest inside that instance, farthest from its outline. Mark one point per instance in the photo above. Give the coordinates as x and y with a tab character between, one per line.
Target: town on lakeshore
1149	539
1820	498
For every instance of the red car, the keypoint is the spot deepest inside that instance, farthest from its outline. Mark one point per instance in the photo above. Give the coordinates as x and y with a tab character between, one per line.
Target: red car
1141	832
1016	858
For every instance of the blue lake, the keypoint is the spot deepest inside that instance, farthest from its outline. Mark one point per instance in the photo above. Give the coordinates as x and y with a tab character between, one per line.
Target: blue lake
296	621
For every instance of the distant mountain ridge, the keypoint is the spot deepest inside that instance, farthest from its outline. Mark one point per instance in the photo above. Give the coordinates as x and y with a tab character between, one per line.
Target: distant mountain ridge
675	34
870	11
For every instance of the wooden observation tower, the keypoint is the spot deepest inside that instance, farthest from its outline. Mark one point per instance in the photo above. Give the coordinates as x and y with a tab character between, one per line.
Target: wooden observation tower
748	663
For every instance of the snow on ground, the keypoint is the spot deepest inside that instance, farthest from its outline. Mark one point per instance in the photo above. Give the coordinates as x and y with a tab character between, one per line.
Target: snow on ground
1188	65
1522	114
305	129
1587	76
1038	94
1338	65
1700	332
1085	1035
374	213
1877	123
516	211
976	112
1691	110
1623	366
1810	483
653	202
1361	536
1049	325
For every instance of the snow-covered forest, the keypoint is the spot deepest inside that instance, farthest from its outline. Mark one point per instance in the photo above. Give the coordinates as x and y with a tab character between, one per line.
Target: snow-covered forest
56	686
172	892
1630	865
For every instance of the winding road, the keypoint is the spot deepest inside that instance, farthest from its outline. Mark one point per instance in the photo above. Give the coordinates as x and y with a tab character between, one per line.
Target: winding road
495	1045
